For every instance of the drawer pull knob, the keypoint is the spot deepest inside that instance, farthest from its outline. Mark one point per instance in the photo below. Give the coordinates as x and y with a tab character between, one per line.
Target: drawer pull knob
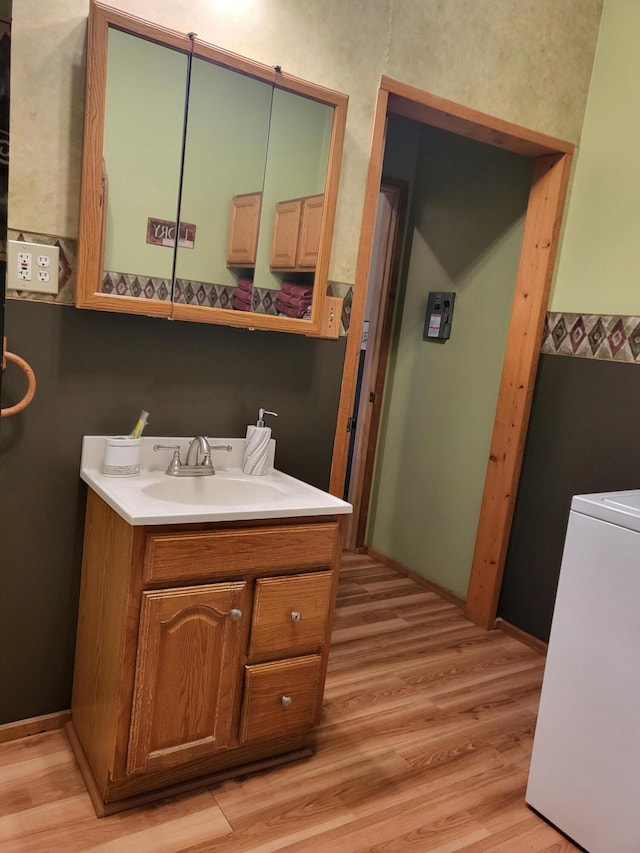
235	614
286	701
296	616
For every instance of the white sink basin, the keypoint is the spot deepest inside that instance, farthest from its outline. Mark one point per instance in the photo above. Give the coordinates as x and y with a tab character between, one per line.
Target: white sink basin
214	491
154	497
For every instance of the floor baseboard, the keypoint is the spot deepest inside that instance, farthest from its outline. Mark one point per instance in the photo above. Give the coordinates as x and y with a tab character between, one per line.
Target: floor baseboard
517	633
33	726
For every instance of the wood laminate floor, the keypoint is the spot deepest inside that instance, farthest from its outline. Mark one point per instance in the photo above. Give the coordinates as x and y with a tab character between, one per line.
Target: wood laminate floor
424	746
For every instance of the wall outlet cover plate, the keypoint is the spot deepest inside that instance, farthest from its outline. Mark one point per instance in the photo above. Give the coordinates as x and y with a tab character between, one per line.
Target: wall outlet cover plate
32	267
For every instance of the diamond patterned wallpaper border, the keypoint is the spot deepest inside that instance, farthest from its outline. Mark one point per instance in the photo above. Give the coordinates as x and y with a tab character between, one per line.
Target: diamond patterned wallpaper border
610	337
189	292
600	336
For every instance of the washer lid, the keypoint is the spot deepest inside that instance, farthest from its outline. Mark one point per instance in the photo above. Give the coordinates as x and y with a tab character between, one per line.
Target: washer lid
622	508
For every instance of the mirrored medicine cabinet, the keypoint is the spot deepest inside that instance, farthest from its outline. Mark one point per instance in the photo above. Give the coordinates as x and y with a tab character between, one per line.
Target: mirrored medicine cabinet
209	181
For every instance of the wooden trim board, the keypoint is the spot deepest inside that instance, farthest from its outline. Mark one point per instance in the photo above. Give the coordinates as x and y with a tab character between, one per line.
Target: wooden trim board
533	280
363	263
33	726
522	352
522	636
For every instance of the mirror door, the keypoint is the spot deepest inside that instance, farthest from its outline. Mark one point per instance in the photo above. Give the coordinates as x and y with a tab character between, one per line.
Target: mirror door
144	112
209	182
224	166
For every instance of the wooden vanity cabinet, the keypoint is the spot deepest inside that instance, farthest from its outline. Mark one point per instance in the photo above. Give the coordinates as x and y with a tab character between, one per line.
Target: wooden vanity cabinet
296	234
201	650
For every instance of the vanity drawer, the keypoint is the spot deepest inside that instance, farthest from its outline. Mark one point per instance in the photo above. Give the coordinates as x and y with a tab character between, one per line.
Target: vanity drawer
280	698
198	556
290	614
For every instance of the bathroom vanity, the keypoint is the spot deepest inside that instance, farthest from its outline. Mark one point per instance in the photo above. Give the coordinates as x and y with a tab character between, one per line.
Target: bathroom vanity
202	644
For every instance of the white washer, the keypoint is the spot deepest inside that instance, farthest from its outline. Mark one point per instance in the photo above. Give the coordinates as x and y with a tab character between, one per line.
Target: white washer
585	765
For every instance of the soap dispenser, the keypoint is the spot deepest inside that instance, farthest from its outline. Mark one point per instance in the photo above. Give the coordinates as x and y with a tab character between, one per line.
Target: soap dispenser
256	446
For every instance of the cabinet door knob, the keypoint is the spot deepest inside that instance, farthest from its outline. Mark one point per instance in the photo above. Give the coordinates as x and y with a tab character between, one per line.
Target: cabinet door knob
286	701
296	616
235	614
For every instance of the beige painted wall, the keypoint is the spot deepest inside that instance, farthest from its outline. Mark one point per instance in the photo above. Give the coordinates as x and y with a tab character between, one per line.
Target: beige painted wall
599	262
465	235
527	62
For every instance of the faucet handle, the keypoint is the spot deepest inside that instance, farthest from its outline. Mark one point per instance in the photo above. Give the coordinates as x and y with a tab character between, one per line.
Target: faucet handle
226	447
176	462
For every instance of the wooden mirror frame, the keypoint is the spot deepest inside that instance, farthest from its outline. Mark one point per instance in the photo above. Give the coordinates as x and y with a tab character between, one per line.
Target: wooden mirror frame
91	230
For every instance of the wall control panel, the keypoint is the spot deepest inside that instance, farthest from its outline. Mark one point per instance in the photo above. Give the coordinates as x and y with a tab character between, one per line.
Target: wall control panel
32	266
437	322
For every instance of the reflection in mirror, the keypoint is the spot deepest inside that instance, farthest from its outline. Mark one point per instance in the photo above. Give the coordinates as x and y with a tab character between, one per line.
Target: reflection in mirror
144	117
224	166
246	156
292	203
242	135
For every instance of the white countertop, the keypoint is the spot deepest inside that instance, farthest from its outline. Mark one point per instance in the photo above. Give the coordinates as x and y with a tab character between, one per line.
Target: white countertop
229	495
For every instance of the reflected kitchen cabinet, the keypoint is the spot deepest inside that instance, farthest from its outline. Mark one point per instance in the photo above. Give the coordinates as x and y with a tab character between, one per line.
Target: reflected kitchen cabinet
198	148
242	241
296	234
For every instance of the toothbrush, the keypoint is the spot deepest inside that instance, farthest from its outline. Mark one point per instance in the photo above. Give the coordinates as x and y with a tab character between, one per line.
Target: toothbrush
140	425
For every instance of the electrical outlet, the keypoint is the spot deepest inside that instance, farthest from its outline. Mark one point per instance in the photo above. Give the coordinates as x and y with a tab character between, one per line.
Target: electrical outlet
32	266
23	266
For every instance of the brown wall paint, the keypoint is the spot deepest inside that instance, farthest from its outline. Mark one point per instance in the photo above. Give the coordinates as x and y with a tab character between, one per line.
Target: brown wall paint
95	372
583	437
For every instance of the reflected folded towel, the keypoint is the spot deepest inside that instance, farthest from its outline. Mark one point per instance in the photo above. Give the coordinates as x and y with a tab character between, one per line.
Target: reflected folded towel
241	300
243	295
245	284
298	313
294	301
299	290
240	304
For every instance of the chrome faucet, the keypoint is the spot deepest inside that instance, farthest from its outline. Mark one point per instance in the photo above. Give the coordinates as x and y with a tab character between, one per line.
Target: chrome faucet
198	446
198	462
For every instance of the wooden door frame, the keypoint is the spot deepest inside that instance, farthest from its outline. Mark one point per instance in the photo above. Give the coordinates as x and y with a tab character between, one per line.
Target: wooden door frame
385	274
533	282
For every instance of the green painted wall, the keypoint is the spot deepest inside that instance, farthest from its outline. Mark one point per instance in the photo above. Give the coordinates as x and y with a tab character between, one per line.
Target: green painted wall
225	155
296	166
599	261
465	232
242	137
143	139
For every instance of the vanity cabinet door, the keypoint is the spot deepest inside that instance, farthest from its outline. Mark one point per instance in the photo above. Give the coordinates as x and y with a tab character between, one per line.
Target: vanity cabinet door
187	670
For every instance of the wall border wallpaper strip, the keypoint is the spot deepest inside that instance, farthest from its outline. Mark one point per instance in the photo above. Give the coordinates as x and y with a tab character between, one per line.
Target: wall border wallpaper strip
608	337
189	292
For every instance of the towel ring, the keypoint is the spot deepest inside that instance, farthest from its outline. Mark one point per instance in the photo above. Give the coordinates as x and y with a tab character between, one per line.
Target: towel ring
31	386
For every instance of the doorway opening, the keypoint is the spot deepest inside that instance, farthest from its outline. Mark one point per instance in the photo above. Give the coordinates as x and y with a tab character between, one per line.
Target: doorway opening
551	162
